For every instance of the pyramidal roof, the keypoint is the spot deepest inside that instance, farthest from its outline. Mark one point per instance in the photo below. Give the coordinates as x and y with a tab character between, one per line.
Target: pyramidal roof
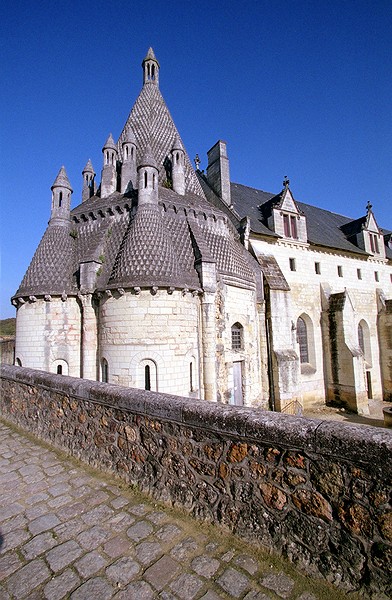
152	124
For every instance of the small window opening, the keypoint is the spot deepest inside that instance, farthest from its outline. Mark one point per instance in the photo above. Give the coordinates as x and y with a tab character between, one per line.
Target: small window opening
60	198
302	338
132	152
148	72
177	158
147	377
374	243
126	152
107	157
359	273
18	362
292	264
59	369
153	181
317	268
237	336
145	179
376	276
153	72
290	226
105	370
340	271
191	376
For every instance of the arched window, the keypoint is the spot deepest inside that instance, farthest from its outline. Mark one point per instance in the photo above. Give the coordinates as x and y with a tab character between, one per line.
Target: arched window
59	369
104	371
18	362
364	341
147	377
126	151
153	72
361	340
60	366
302	338
237	337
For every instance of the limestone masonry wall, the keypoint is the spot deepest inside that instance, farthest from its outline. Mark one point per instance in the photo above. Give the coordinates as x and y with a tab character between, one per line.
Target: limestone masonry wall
317	492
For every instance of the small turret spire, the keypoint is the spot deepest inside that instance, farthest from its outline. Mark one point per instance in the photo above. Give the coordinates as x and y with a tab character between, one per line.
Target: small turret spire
148	178
178	166
109	169
61	199
128	169
88	175
150	68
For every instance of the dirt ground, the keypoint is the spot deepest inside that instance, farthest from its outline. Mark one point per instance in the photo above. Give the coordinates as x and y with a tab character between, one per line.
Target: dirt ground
330	413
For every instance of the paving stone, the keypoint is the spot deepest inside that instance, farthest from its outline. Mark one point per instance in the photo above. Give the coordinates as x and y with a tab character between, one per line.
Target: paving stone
37	511
205	566
185	549
139	531
72	510
233	582
39	544
248	563
120	521
119	502
43	523
148	552
139	509
14	539
117	546
123	571
40	497
92	538
8	565
97	588
59	587
70	529
280	583
156	517
97	498
63	555
27	578
168	532
10	511
210	595
228	556
162	572
187	586
138	590
97	515
90	564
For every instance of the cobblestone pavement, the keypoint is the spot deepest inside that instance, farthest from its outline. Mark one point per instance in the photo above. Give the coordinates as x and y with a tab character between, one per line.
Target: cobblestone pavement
70	532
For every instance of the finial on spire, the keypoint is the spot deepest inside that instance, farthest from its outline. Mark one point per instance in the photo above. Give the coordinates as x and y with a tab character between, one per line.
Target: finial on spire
369	206
286	182
197	162
150	68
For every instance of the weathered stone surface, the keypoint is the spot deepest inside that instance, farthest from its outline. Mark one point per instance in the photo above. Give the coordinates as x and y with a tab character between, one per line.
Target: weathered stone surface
312	503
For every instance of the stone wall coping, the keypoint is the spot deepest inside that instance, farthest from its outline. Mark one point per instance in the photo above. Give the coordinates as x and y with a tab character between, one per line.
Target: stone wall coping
355	443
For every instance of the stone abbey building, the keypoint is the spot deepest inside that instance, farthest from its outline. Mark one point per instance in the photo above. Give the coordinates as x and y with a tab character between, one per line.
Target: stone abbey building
168	278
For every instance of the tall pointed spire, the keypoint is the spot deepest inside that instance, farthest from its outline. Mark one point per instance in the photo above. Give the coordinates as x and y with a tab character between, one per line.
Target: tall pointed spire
150	68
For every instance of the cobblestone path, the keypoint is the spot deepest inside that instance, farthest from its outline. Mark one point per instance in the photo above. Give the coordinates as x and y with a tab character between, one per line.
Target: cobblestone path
70	532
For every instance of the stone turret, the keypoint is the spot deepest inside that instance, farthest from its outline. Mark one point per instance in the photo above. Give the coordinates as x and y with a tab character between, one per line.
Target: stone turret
109	173
218	173
148	179
88	188
178	166
128	171
150	68
61	199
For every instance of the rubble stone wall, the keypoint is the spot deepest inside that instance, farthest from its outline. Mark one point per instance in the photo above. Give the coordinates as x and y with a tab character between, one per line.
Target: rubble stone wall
317	492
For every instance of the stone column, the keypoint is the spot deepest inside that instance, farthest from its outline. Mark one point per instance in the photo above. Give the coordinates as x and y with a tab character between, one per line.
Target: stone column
89	338
209	345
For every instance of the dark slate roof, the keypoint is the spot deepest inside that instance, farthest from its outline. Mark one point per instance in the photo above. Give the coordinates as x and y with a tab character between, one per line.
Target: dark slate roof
52	269
324	228
151	122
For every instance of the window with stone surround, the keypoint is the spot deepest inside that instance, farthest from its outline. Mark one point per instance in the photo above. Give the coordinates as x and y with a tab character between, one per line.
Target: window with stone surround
317	268
290	226
293	266
302	337
305	340
340	271
376	276
375	248
147	377
359	273
237	337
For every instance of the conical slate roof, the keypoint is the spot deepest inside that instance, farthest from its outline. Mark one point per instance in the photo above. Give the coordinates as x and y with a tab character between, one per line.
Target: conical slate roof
147	256
50	271
62	179
152	123
110	143
89	167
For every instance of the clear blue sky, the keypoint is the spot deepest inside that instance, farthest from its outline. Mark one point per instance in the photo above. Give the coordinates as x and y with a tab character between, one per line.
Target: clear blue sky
297	88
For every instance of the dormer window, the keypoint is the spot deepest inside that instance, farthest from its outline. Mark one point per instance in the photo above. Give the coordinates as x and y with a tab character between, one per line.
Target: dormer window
290	226
375	248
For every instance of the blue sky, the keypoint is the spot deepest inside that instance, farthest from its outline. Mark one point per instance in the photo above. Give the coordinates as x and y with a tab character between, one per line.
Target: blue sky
296	88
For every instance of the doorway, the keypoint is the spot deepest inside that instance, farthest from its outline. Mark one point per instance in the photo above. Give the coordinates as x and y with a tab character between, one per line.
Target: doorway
238	396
